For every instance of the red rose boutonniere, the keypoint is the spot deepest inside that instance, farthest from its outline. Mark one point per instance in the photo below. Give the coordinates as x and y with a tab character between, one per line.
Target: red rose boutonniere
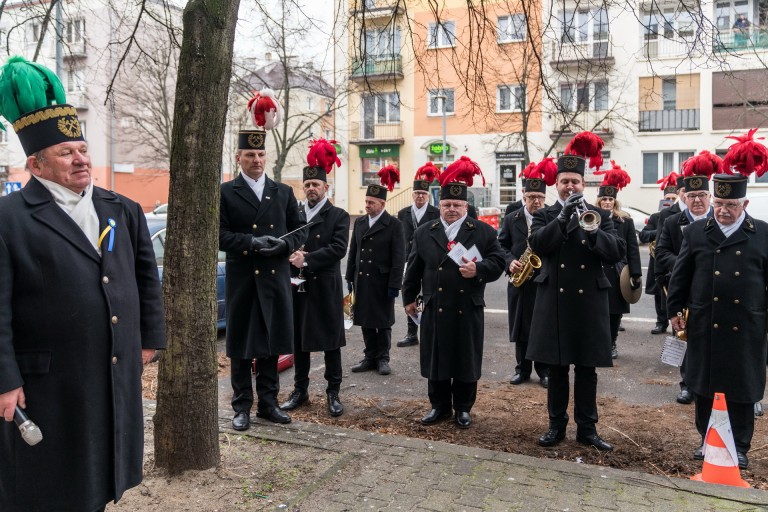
451	244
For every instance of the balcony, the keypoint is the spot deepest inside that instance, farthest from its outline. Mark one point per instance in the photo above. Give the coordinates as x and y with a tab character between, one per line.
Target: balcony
669	120
577	53
663	47
567	124
367	132
739	40
78	99
377	67
75	50
376	9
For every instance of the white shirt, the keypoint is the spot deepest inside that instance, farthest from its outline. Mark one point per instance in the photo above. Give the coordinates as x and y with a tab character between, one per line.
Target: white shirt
79	207
451	230
528	216
418	213
256	185
311	212
372	220
729	230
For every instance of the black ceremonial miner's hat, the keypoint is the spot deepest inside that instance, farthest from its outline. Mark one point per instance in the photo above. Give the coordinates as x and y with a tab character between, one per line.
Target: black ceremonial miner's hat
251	139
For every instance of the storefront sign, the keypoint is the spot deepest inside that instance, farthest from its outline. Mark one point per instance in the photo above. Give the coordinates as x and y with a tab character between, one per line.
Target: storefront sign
437	148
383	151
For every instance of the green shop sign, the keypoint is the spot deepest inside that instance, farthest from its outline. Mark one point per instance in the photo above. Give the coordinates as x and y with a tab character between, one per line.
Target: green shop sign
437	148
379	151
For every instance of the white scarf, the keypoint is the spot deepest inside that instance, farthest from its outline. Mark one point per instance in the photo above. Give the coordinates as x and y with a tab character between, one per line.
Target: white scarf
79	208
372	220
312	211
528	217
451	230
256	185
418	213
729	230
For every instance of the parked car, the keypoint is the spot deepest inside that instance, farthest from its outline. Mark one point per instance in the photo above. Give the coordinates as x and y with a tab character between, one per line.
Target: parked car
157	234
160	212
758	205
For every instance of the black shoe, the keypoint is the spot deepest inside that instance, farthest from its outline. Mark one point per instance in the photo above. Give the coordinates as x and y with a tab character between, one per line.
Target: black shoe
274	414
659	329
544	381
743	460
334	404
684	397
621	327
409	341
363	366
552	437
758	409
596	441
519	378
295	399
614	351
435	415
463	419
241	421
698	453
383	368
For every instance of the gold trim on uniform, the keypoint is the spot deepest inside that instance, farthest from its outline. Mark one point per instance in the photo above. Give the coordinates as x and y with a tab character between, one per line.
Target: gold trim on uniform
311	172
43	115
695	183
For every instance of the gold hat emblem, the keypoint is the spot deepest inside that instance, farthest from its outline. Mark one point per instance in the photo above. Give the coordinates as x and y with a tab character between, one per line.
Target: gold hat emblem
570	162
374	190
695	183
455	190
311	172
69	126
256	140
723	189
610	191
534	184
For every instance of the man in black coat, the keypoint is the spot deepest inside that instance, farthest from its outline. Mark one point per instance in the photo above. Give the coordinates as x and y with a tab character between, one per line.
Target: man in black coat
80	312
570	319
721	277
411	217
451	350
318	310
670	241
255	211
513	238
375	273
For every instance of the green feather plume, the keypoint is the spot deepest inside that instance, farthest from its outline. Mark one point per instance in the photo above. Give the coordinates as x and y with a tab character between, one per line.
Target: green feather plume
26	86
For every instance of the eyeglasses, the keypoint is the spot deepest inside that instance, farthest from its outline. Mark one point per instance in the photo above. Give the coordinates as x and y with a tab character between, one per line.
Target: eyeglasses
697	197
536	199
727	206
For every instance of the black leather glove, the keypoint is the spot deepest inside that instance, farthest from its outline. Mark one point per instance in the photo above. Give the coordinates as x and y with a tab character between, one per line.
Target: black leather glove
259	242
661	281
392	293
635	282
276	246
569	206
349	286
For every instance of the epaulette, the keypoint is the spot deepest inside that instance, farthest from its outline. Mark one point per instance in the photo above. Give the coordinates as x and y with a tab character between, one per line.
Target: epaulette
435	224
470	224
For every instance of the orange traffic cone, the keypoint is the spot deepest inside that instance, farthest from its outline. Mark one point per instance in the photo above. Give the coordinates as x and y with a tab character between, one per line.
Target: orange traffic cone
720	462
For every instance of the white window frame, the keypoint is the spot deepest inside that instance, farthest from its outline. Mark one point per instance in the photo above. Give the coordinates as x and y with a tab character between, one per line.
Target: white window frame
674	162
435	106
575	88
516	99
581	23
391	103
442	35
382	42
511	28
75	30
310	103
34	31
75	80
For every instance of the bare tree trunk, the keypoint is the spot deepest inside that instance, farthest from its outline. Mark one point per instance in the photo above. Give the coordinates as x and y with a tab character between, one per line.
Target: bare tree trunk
186	422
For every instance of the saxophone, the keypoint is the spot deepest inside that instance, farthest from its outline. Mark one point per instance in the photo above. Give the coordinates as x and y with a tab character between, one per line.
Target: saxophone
530	262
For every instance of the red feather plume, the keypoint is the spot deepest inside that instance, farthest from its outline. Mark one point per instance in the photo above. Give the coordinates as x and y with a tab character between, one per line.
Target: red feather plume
463	170
587	145
615	176
746	155
703	164
547	168
389	176
265	110
322	153
669	180
530	172
427	172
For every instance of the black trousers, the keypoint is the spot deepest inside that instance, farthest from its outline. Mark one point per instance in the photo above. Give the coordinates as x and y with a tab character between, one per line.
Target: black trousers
683	385
413	329
452	393
333	372
267	384
524	366
660	301
584	398
377	343
615	320
741	416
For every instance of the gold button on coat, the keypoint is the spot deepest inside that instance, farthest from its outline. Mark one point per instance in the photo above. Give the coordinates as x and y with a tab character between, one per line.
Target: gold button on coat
114	360
717	272
114	319
105	280
715	326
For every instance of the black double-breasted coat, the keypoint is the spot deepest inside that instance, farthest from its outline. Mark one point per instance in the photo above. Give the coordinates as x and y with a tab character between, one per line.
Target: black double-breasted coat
570	318
406	218
723	282
625	229
452	323
259	302
319	310
513	238
648	235
72	327
669	239
375	263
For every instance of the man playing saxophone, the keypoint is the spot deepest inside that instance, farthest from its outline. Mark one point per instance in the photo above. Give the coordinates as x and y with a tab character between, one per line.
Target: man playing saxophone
521	267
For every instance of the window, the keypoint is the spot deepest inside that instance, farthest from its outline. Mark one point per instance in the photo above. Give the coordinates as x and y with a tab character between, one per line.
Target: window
437	102
310	103
34	32
657	165
75	31
727	12
370	4
388	108
577	26
669	93
370	168
75	80
442	35
510	98
584	97
511	28
382	42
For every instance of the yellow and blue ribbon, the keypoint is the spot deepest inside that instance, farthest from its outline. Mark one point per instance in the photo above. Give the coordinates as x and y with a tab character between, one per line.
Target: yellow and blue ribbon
110	229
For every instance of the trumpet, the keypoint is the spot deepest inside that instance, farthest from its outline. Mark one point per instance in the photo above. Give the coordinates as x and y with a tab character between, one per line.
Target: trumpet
589	220
301	276
683	334
530	262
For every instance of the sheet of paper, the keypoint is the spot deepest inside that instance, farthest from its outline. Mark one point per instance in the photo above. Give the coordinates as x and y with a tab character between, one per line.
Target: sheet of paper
416	318
347	324
473	254
456	252
295	281
673	351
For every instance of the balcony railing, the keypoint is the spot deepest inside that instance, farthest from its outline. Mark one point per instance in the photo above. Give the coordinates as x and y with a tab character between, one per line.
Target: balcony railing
373	9
663	47
577	52
78	99
737	40
75	49
568	123
669	120
371	131
377	66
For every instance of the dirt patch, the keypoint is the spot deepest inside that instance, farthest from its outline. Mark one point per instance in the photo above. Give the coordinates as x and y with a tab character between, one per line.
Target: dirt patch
149	376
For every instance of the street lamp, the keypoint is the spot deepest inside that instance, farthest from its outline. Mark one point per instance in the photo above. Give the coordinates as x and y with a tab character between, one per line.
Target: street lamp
444	98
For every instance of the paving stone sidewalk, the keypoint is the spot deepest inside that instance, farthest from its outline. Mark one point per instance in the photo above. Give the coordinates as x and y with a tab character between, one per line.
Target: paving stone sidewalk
384	472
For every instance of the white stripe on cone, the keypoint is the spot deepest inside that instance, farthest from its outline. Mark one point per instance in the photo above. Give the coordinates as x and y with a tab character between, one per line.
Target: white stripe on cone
718	457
